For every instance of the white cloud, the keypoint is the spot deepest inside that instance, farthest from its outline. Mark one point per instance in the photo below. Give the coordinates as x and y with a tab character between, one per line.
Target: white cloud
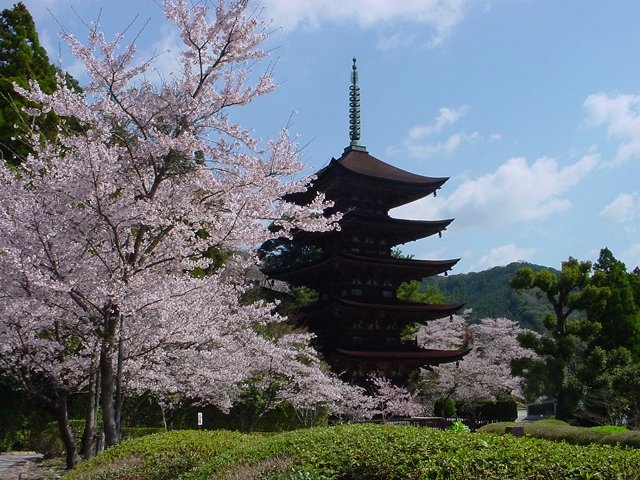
624	208
416	144
621	116
446	116
515	192
441	15
422	151
396	40
504	255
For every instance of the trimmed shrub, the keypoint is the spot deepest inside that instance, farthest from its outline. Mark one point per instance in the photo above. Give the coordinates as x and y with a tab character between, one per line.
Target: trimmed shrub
355	452
610	429
630	439
281	418
559	431
137	432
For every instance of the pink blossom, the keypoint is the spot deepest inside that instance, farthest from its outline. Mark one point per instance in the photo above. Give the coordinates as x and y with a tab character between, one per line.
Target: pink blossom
485	372
106	225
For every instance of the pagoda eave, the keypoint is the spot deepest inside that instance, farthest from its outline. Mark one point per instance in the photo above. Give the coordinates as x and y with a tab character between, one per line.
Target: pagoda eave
358	170
412	269
367	166
431	310
399	230
395	231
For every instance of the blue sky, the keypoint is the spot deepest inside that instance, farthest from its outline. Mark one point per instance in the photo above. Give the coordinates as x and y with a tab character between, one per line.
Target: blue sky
531	107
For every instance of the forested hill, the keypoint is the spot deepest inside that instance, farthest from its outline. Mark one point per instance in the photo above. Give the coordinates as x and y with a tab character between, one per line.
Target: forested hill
488	294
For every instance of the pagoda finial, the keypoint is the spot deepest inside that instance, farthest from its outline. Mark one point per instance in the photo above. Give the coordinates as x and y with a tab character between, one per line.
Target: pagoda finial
354	110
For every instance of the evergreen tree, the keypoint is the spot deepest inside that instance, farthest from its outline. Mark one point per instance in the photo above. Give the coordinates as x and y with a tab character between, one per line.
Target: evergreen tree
615	350
22	59
619	315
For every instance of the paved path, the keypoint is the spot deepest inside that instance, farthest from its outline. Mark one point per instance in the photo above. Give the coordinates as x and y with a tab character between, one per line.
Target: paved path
11	465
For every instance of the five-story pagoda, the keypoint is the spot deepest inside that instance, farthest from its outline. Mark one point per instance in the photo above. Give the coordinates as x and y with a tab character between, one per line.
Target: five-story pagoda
358	320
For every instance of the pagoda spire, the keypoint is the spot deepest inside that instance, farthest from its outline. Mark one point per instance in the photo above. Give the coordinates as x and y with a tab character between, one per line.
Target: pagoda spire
354	111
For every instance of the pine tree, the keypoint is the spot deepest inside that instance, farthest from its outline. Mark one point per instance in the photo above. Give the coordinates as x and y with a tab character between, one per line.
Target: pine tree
566	335
23	59
619	316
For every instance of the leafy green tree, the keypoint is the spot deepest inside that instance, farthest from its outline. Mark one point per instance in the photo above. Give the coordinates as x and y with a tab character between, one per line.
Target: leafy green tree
603	403
566	335
18	416
626	385
419	292
415	291
255	400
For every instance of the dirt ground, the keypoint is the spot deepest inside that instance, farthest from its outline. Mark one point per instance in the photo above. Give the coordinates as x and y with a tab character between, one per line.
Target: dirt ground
49	469
34	469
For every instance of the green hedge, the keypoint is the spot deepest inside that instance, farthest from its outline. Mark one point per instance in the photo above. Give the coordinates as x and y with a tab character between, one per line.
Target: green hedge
356	452
559	431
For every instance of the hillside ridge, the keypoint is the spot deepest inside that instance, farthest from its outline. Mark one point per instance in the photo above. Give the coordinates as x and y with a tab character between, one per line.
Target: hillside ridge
488	294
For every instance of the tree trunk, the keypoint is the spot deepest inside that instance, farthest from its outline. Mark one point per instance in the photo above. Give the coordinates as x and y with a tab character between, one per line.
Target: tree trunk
108	401
107	391
62	417
91	417
119	396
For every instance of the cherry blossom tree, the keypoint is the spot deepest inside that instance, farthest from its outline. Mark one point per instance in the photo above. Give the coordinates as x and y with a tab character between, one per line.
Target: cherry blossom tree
392	400
485	372
355	405
315	392
125	241
288	371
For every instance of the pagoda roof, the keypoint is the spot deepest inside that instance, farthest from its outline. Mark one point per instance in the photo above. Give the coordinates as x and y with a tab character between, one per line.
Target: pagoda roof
399	229
407	268
430	311
425	356
321	313
396	230
394	185
437	310
362	163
